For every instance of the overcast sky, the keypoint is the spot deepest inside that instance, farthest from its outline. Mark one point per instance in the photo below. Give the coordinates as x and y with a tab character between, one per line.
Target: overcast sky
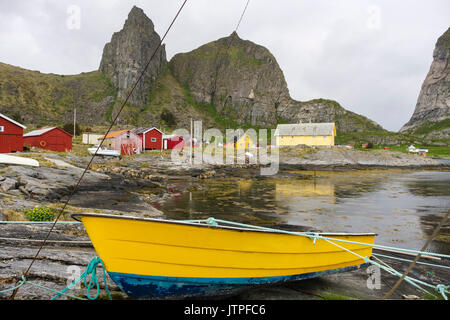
370	56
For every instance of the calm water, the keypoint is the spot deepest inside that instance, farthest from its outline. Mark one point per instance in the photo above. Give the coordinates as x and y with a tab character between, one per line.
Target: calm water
402	207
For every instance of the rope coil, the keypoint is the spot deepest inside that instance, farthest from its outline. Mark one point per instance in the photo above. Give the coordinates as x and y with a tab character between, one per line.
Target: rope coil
91	270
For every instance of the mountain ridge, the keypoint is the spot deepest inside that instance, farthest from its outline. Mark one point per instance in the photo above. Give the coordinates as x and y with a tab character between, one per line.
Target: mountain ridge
226	82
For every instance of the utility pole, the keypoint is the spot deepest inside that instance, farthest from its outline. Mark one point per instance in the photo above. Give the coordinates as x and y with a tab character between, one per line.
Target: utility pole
75	122
191	146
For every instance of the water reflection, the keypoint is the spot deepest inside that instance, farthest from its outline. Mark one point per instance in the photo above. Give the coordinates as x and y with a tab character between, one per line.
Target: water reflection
397	205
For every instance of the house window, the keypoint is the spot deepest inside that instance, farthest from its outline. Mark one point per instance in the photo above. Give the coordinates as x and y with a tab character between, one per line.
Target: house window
153	139
2	129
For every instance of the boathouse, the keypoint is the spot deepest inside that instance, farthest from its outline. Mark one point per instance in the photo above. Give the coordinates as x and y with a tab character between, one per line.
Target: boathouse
152	138
53	139
124	141
310	134
11	135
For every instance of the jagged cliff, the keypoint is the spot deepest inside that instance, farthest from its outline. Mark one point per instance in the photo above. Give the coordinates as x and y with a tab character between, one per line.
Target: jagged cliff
433	104
243	80
240	78
125	57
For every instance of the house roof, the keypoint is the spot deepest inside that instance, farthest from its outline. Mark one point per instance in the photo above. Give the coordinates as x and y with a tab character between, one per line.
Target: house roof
112	134
38	132
11	120
145	130
42	131
305	129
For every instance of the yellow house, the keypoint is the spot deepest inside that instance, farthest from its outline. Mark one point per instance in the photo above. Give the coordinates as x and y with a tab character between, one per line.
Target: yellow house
310	134
244	142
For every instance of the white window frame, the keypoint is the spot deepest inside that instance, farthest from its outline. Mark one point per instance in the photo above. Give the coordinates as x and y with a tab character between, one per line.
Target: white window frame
2	128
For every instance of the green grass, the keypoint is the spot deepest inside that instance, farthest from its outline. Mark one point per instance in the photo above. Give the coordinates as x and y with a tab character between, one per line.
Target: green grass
429	127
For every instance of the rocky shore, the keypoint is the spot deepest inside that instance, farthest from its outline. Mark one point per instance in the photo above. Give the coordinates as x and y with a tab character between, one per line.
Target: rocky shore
136	185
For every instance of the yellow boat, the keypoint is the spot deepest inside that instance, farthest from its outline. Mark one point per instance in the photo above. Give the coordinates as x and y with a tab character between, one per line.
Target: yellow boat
155	258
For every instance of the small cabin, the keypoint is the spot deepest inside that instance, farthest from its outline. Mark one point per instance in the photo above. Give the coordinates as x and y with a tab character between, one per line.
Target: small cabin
11	135
243	141
124	141
53	139
152	138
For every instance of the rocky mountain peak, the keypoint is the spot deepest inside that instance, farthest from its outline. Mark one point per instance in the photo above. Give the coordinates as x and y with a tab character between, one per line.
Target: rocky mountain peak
433	104
237	76
126	55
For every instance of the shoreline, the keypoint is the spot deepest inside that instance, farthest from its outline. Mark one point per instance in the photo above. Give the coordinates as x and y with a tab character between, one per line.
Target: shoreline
108	184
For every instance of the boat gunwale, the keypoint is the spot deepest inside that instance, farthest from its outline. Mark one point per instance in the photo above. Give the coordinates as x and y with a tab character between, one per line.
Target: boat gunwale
231	228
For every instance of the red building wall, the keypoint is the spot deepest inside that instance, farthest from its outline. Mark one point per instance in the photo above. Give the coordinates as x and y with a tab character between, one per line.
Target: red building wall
149	144
174	143
11	139
54	140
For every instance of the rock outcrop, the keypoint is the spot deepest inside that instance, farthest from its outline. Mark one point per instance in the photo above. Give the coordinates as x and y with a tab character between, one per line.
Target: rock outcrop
125	57
433	104
243	81
240	78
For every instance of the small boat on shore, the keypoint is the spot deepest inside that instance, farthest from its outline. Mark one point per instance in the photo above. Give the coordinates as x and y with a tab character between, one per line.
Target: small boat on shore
104	152
7	159
154	258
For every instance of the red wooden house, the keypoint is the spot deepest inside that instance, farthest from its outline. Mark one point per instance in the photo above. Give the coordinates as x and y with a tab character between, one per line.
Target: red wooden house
11	135
152	138
172	141
54	139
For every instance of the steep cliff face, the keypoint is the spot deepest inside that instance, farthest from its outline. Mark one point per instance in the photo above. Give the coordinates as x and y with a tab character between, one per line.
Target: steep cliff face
240	78
433	104
243	81
126	55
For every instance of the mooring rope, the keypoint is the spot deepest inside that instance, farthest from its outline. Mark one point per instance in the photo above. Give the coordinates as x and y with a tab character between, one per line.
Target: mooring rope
442	289
91	270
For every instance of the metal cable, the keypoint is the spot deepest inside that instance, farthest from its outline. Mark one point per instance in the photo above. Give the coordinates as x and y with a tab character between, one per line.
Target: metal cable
93	156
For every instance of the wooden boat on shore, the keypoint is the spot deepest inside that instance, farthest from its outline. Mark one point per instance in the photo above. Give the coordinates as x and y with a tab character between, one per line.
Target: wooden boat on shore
104	152
154	258
21	161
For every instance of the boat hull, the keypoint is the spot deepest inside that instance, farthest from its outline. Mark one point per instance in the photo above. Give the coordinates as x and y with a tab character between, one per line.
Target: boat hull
161	258
150	287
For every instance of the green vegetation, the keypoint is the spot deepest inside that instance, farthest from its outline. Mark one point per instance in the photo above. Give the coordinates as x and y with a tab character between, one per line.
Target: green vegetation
40	214
168	118
429	127
44	99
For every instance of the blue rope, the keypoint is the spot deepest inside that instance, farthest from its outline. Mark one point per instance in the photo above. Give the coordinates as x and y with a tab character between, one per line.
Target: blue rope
93	282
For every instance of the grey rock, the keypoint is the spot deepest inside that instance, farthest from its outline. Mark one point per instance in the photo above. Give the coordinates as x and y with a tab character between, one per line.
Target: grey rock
244	82
8	184
433	103
125	57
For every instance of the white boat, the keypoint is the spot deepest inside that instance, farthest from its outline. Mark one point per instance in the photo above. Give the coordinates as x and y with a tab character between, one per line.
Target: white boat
7	159
104	152
411	148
